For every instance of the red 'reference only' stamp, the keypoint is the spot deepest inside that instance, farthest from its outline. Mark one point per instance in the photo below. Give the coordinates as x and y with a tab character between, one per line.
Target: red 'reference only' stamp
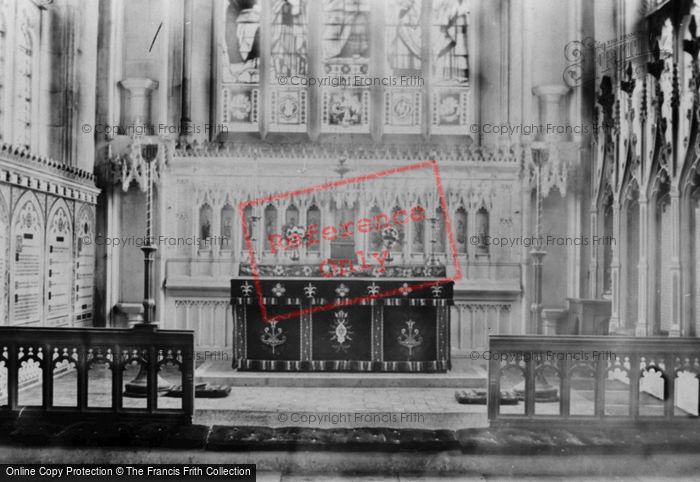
372	262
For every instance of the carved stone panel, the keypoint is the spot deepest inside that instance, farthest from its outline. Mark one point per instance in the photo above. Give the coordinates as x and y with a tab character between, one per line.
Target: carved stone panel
59	266
84	266
27	251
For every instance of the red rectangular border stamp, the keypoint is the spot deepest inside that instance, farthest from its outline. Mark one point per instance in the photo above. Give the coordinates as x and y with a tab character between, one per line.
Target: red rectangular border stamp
365	223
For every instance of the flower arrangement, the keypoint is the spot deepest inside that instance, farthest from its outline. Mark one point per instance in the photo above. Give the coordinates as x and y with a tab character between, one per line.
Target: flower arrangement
390	236
294	235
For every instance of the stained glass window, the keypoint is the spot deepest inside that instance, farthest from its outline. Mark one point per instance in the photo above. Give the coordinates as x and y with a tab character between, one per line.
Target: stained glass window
345	52
346	36
23	89
288	38
403	42
242	38
449	39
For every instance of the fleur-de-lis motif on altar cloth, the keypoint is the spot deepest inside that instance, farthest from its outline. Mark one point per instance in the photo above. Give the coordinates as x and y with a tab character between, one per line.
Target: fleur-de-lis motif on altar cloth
247	289
437	291
342	290
309	290
273	336
373	289
278	290
405	289
410	337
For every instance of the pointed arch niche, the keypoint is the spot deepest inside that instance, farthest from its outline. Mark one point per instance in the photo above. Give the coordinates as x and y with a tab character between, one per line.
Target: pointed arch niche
84	267
661	252
27	255
59	265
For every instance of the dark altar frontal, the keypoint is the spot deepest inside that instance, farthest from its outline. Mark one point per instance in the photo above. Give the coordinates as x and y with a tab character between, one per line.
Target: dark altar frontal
407	331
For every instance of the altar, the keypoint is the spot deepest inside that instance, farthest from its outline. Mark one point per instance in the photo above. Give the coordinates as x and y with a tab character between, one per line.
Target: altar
318	323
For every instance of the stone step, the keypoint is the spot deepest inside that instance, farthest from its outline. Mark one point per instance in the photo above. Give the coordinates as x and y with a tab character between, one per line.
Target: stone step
217	373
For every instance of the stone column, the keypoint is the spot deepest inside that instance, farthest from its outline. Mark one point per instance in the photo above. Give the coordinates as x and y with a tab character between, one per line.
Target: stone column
137	117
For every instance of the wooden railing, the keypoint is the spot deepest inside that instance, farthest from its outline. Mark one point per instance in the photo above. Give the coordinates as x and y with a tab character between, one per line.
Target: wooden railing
67	374
585	379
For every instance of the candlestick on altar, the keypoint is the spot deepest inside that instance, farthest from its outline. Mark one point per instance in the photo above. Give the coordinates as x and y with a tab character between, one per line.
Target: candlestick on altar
433	259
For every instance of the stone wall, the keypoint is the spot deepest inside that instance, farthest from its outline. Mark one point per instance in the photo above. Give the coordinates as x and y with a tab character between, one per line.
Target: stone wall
47	236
